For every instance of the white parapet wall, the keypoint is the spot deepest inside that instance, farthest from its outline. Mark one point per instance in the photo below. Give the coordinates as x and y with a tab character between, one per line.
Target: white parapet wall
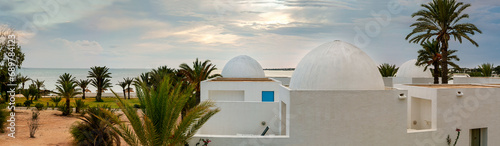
244	118
477	80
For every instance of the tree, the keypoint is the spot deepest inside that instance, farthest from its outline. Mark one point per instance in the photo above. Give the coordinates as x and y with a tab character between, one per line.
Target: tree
158	124
66	87
23	80
199	72
430	55
83	83
17	59
486	69
123	85
440	19
497	70
100	79
128	81
39	84
387	70
94	128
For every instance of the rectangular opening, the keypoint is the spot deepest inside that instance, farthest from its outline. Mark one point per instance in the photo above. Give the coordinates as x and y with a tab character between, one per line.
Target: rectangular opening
226	95
478	137
421	114
267	96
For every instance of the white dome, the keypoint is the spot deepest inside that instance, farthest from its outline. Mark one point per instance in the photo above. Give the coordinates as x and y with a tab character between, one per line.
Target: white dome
242	66
410	70
337	65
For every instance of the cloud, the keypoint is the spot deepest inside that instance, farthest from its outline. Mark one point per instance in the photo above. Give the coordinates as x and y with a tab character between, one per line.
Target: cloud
80	46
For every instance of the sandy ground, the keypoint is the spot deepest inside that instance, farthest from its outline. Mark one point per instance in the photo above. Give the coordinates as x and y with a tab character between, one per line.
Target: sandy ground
53	130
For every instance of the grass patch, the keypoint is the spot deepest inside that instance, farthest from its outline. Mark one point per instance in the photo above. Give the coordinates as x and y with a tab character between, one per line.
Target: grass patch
110	101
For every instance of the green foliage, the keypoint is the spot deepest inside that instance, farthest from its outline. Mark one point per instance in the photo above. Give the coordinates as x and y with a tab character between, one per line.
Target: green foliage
128	81
100	79
28	103
123	85
39	106
475	74
94	129
17	59
497	70
79	105
3	118
440	19
56	100
38	84
486	69
66	87
387	70
66	111
157	123
83	83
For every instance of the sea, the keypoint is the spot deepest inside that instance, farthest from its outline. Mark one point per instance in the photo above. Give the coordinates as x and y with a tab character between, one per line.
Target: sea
50	75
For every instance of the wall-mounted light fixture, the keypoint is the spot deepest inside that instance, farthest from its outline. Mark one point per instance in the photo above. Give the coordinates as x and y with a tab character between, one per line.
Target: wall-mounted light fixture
402	96
460	93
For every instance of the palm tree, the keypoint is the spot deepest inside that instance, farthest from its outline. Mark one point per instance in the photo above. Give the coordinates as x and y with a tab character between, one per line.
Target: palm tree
100	79
430	55
39	84
23	79
123	85
94	128
387	70
66	87
158	124
128	81
83	83
486	69
199	72
440	19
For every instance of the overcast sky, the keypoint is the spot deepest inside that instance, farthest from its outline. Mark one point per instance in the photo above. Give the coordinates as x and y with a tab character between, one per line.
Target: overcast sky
277	33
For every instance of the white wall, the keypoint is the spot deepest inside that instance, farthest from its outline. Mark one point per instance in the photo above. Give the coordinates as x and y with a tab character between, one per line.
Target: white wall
224	95
252	89
483	80
284	80
244	118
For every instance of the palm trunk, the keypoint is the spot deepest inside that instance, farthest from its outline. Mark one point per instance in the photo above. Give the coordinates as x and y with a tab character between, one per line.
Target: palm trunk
98	96
436	72
124	95
83	95
68	106
444	64
128	92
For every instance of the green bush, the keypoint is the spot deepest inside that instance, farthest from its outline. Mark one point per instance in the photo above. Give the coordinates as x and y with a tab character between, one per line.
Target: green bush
39	106
79	105
94	128
28	103
56	100
137	106
65	110
19	104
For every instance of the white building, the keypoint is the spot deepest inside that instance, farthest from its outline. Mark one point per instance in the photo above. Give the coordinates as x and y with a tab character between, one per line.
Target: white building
337	97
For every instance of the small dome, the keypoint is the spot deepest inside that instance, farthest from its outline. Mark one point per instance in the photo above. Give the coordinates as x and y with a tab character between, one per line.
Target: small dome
242	66
410	70
337	65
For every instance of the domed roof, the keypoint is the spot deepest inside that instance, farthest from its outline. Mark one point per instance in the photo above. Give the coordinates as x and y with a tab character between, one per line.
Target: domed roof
242	66
337	65
410	70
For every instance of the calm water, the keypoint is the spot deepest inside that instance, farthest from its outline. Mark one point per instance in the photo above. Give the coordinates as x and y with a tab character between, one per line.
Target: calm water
50	75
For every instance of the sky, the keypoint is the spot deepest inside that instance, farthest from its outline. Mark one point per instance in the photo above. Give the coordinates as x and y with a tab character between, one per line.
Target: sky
277	33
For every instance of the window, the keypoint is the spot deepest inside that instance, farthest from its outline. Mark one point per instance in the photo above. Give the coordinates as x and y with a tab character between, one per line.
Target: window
267	96
478	137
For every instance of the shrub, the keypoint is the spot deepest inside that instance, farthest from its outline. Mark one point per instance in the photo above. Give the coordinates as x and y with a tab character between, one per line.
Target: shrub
137	106
33	123
56	100
19	104
39	106
65	110
79	105
94	128
28	103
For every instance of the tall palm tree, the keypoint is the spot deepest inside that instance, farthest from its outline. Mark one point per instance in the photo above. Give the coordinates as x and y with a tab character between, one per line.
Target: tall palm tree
66	87
123	85
128	81
158	124
440	19
387	70
39	84
83	83
100	79
199	72
430	55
